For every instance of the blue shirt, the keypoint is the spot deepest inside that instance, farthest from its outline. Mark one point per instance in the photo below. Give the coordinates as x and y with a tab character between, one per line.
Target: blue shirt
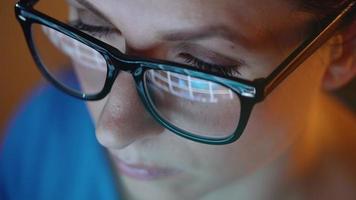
50	153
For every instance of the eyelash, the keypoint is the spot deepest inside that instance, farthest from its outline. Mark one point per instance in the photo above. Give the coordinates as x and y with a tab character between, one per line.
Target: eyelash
98	31
101	31
231	70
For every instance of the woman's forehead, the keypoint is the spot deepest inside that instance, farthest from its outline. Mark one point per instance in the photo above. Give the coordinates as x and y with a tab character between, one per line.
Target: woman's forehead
253	19
250	11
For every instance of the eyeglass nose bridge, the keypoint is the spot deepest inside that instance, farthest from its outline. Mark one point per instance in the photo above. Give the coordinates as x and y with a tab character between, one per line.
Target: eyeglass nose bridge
119	62
122	62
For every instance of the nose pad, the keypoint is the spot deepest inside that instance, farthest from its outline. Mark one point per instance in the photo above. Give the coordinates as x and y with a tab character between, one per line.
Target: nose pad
123	119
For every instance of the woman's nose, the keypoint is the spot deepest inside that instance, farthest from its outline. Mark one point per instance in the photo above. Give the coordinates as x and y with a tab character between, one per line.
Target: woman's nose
123	119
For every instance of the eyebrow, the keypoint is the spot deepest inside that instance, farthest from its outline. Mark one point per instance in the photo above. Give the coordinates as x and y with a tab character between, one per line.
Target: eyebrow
203	33
86	4
219	30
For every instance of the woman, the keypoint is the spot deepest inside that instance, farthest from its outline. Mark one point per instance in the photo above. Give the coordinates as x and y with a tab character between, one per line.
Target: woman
187	135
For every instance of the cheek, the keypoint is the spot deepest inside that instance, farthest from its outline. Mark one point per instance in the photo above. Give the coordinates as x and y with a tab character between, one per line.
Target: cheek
95	109
91	81
277	122
218	166
288	107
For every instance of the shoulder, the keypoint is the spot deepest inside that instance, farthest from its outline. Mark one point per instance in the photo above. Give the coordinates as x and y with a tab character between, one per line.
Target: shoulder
47	115
50	151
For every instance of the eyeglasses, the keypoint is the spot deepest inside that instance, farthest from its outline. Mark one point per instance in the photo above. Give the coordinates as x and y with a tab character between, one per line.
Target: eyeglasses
189	102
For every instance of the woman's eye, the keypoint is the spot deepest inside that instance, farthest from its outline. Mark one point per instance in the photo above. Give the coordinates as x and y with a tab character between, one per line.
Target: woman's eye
94	30
226	70
107	34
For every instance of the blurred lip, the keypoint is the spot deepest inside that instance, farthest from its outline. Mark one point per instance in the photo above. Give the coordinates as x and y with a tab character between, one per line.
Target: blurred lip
141	171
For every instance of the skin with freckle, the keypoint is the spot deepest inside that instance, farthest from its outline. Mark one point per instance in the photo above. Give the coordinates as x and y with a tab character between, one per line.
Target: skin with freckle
262	34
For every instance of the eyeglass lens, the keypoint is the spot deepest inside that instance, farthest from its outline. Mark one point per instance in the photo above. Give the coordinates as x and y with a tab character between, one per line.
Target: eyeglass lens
195	105
71	63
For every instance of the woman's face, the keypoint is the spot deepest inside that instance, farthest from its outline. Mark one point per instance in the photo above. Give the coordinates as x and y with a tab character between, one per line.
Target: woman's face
255	34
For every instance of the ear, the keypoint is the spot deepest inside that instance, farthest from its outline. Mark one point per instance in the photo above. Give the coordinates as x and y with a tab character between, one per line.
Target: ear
342	66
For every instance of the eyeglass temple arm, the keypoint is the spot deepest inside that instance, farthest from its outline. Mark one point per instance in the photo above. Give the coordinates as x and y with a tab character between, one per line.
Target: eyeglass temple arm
305	50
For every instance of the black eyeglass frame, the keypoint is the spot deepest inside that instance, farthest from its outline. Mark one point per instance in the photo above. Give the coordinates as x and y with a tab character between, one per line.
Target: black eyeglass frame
249	92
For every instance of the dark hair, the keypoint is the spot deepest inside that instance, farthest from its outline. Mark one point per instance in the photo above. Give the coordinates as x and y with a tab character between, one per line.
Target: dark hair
322	8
